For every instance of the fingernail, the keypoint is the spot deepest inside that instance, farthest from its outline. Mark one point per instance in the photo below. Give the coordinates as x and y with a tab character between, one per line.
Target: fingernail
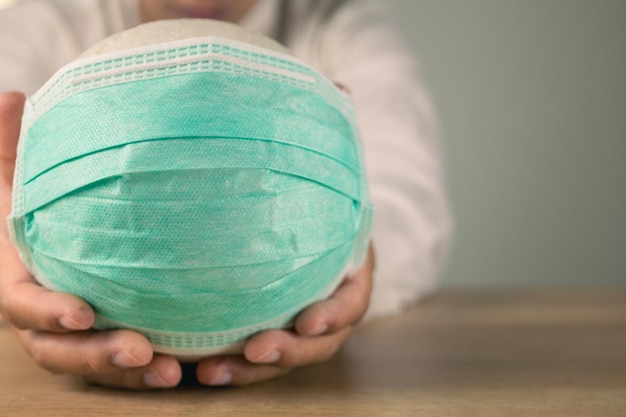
154	380
320	329
69	323
270	356
224	378
125	360
81	319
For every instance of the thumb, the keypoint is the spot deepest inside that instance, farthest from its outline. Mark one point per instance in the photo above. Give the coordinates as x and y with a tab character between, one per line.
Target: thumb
11	109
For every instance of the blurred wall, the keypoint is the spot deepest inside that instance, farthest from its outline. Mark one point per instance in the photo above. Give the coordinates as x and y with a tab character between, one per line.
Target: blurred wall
532	101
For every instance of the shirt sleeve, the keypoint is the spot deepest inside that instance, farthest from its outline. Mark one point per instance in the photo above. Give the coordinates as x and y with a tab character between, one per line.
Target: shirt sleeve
35	41
360	47
38	37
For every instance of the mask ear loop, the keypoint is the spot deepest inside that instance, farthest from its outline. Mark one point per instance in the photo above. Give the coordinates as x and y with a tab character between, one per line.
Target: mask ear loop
16	221
283	25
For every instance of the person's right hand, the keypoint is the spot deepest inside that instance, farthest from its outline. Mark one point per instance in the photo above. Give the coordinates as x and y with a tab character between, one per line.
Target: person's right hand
54	327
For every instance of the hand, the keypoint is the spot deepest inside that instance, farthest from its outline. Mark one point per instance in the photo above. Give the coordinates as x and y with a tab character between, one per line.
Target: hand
54	327
319	331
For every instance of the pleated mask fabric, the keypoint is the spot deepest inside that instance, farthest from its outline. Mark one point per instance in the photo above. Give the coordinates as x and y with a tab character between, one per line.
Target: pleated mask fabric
196	191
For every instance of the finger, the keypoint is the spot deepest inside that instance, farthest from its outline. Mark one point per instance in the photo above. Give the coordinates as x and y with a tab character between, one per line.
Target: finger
26	305
235	370
345	307
162	372
88	352
287	349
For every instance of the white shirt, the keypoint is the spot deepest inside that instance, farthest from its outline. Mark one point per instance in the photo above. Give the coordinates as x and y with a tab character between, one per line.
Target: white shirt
352	42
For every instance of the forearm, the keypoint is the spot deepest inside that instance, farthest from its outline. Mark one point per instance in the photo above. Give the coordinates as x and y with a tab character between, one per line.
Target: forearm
407	184
403	153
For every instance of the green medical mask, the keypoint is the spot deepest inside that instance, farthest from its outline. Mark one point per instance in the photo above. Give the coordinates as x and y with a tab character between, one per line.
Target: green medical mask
196	191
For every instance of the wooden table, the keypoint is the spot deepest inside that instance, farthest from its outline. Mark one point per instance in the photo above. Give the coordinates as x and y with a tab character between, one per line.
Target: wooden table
531	353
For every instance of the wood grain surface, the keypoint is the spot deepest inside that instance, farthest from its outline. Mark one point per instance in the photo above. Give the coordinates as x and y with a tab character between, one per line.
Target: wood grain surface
495	353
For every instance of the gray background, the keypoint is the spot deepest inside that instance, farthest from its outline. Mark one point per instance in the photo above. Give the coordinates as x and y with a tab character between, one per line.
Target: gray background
532	101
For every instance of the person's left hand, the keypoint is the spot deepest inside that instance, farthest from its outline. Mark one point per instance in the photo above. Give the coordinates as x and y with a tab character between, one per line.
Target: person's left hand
319	331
